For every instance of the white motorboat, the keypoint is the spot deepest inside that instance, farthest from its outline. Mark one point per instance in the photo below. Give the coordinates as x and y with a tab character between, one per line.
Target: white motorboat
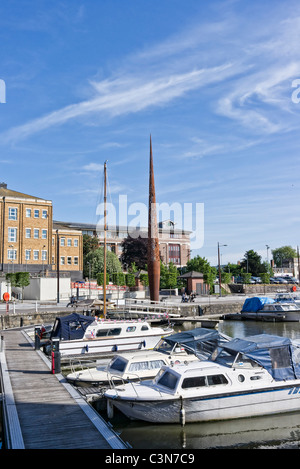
182	347
288	297
81	335
247	377
285	311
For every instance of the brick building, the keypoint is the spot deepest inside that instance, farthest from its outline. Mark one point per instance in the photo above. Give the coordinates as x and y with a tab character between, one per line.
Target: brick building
174	244
27	236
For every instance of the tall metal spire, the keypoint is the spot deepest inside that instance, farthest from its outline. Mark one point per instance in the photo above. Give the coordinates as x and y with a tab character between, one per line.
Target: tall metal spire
153	244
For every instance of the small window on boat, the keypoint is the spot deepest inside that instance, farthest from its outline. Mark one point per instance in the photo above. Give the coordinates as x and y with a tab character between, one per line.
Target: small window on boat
106	332
168	380
280	357
145	327
118	364
253	378
131	329
216	379
194	382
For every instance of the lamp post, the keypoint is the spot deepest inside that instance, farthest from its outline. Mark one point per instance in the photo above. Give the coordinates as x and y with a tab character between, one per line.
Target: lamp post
268	247
219	264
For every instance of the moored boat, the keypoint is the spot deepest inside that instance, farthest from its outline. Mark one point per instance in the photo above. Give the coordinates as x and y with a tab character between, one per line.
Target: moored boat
248	377
182	347
81	335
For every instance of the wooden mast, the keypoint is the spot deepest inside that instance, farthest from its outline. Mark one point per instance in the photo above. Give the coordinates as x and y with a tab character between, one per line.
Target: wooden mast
153	244
105	229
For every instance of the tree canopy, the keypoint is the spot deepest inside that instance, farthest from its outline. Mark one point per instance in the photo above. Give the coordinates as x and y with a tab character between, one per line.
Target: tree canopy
252	263
134	251
283	255
200	264
96	260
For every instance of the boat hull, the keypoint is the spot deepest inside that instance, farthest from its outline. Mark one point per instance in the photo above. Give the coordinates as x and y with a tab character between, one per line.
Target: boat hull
107	346
219	407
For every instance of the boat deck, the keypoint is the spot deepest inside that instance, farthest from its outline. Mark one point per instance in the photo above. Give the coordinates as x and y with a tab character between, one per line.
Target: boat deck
41	410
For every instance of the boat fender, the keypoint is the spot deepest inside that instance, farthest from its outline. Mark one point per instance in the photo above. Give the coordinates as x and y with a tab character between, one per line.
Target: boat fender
182	413
142	344
115	348
110	409
86	348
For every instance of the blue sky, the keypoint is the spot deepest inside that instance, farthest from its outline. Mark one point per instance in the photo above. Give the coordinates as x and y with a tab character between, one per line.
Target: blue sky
212	82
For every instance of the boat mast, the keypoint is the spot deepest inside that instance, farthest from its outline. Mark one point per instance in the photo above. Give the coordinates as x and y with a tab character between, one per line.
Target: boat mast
105	229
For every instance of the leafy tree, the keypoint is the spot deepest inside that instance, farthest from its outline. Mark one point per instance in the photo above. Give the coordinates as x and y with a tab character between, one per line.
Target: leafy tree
144	279
100	278
200	264
283	255
96	260
246	276
252	263
130	279
226	277
265	277
134	251
90	243
118	278
19	279
233	269
168	275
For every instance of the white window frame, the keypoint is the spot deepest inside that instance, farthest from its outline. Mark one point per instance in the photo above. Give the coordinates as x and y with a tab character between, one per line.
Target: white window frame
69	260
27	232
44	234
36	254
27	254
62	241
44	213
75	260
44	254
36	233
12	213
12	254
12	235
69	242
75	243
36	213
28	212
62	260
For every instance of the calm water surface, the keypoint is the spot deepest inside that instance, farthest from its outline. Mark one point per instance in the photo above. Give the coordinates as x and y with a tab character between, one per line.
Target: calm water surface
274	432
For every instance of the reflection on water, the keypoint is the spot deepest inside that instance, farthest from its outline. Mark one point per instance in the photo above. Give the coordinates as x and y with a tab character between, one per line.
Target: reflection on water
274	431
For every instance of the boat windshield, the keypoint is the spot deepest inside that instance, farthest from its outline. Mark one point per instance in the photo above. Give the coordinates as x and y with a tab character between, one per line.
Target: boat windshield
118	364
167	379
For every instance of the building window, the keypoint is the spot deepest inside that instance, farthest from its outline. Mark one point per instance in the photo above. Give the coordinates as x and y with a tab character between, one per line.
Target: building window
36	213
12	213
27	254
12	235
76	243
62	241
28	212
69	242
36	255
36	233
44	213
44	234
75	260
12	254
28	233
69	260
62	261
44	255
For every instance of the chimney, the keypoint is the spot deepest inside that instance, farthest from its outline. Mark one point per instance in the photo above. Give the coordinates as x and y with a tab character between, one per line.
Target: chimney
3	185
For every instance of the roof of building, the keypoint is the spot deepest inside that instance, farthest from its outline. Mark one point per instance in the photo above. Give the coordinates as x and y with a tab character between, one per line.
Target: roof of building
192	274
5	192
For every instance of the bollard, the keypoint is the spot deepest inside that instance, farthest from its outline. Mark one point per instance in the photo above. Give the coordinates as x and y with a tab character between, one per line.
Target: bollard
37	338
55	356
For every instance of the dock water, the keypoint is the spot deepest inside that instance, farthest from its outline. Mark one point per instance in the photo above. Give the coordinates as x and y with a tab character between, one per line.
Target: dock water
42	410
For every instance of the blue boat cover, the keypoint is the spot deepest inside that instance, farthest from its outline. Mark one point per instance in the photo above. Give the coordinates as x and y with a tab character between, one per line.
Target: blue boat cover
200	341
71	327
252	305
280	356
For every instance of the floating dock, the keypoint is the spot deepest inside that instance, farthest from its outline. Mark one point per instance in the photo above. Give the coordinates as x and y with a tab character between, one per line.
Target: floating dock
40	409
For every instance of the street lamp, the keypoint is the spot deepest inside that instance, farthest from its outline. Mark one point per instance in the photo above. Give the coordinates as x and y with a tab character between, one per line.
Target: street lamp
220	245
268	247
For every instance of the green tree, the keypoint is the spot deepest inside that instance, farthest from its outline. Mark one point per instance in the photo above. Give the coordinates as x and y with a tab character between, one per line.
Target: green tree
168	275
233	269
96	260
252	263
283	255
19	279
265	277
200	264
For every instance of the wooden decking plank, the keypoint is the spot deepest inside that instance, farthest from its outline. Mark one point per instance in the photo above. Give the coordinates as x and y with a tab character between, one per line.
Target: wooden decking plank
50	417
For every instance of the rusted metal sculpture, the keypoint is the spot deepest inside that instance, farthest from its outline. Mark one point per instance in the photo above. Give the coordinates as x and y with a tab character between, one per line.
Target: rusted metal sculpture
153	244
